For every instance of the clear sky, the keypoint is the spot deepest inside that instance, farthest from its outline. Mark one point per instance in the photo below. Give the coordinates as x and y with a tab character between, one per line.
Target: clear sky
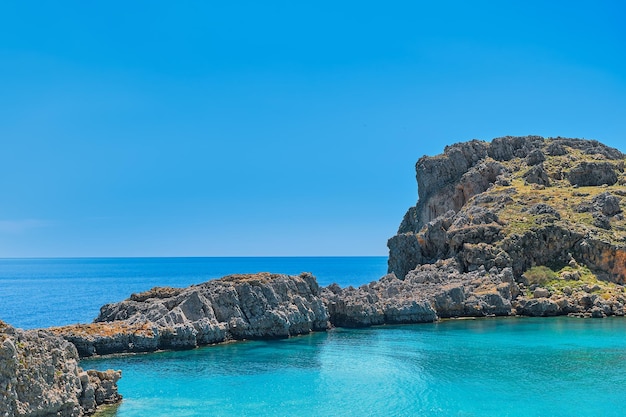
260	128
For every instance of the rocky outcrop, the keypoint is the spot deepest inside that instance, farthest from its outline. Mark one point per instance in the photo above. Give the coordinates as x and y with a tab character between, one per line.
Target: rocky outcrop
511	205
40	376
387	301
592	173
489	217
235	307
424	295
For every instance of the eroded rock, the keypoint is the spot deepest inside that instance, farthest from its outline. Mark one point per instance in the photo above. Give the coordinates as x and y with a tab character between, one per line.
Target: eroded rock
509	218
592	174
40	376
235	307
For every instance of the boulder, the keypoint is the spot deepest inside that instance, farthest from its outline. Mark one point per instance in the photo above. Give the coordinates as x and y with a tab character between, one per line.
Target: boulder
606	203
535	157
592	174
537	175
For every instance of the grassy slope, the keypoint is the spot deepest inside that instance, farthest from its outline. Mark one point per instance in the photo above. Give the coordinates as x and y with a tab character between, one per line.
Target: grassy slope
563	197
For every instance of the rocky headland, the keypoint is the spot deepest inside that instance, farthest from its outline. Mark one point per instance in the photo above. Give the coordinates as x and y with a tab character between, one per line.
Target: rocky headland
40	376
235	307
518	226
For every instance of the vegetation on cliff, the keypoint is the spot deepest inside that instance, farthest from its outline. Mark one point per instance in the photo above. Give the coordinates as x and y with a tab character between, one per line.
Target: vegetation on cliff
549	207
520	225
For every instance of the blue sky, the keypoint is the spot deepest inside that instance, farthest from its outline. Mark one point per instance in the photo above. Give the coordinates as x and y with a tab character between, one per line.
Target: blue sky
201	128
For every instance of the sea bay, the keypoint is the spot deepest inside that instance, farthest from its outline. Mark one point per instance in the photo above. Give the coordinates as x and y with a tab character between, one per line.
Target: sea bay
486	367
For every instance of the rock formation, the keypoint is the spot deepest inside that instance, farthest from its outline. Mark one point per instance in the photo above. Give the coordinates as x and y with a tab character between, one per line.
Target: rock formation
424	295
40	376
235	307
490	215
520	225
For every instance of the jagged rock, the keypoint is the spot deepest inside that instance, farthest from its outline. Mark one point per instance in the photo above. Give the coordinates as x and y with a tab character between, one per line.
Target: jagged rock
435	173
231	308
500	221
543	208
426	294
607	204
592	174
590	147
541	293
389	301
537	307
450	181
405	253
474	256
537	175
100	388
555	149
601	221
509	147
40	376
433	238
535	157
602	256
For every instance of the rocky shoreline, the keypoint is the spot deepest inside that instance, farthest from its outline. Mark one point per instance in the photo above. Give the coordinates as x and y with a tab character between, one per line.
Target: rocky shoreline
517	226
235	307
261	306
520	226
40	376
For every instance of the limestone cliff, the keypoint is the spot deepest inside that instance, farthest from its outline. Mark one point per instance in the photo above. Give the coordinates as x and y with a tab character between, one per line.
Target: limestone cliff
40	376
235	307
541	217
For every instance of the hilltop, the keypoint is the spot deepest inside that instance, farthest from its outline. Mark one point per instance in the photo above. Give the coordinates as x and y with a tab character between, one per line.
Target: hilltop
540	218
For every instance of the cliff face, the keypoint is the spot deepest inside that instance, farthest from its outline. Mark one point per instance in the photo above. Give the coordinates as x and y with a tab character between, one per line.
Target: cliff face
235	307
515	205
40	376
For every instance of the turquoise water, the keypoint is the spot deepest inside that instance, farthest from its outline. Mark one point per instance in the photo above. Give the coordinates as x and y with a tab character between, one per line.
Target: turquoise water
55	292
489	367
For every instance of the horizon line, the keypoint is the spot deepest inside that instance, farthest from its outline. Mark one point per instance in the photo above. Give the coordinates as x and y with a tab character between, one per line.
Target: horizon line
190	257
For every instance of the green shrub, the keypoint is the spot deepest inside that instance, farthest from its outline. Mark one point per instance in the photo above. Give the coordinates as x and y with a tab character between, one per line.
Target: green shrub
540	275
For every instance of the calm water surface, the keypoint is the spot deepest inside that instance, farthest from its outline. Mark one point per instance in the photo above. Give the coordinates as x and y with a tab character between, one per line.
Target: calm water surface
54	292
490	367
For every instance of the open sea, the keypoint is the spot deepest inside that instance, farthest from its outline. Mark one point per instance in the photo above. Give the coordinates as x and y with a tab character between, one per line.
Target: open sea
487	367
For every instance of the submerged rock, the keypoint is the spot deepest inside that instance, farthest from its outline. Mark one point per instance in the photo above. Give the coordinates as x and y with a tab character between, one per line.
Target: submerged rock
40	376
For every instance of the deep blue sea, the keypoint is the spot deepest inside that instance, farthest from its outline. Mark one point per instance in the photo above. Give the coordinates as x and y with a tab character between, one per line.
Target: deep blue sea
487	367
54	292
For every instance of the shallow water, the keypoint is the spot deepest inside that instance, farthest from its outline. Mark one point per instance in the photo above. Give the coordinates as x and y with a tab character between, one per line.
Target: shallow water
489	367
